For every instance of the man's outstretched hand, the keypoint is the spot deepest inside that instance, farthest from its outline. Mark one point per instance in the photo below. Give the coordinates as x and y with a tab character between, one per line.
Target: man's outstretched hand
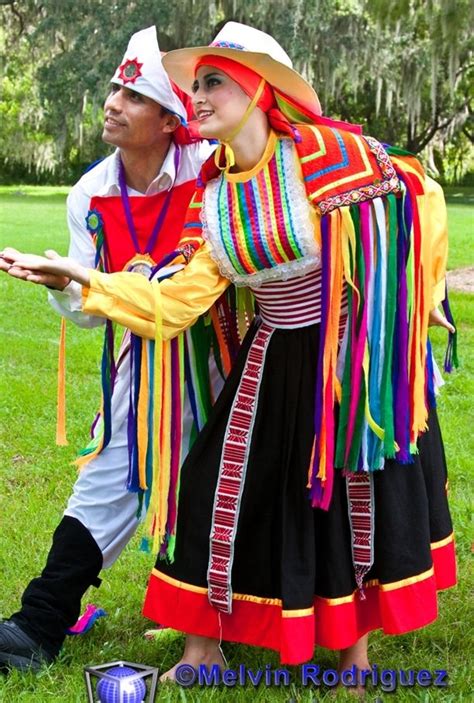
50	270
7	264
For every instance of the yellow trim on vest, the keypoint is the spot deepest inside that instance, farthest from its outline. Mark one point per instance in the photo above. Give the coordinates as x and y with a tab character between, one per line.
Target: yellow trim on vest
321	144
244	176
352	176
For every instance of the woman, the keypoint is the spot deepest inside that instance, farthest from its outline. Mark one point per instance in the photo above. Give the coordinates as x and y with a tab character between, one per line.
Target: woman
330	234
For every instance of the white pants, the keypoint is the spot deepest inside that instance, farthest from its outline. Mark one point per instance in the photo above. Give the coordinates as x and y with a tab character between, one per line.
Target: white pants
101	501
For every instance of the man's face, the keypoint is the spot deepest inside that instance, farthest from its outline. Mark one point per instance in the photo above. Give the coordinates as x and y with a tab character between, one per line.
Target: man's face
134	121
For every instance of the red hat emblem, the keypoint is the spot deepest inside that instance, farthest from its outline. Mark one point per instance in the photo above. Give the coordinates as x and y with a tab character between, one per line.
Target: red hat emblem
130	71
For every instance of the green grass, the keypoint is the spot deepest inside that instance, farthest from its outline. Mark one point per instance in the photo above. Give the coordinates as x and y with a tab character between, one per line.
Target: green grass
459	194
461	226
36	478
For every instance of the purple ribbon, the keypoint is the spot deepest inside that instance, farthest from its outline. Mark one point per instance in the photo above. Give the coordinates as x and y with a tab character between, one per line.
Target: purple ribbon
128	210
316	489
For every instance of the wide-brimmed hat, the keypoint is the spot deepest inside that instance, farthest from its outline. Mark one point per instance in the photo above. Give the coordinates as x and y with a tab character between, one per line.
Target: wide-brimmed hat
142	70
250	47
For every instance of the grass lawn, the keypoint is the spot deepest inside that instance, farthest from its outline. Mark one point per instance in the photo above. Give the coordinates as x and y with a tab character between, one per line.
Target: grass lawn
36	478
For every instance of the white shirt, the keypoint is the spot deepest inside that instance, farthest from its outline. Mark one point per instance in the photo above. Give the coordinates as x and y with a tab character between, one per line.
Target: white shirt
103	181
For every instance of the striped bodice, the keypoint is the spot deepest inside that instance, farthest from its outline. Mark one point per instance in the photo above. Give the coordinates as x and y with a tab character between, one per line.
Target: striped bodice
293	303
259	225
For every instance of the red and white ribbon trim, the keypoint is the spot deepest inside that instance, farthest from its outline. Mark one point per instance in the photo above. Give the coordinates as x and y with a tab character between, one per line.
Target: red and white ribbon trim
232	471
360	502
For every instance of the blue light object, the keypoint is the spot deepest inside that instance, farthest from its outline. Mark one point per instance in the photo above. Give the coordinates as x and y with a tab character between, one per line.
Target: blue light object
121	690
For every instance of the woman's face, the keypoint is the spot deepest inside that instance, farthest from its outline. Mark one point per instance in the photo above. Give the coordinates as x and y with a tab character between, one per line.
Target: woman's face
219	103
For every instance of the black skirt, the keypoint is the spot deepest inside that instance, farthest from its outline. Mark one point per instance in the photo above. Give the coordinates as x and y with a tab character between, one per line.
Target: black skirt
293	582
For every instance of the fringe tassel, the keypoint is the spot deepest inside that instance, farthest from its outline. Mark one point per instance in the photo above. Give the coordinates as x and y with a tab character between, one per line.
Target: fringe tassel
378	301
451	357
163	475
430	386
159	475
156	527
383	405
94	224
133	481
321	473
197	348
403	406
353	400
349	264
418	311
142	427
223	348
156	417
177	397
103	431
386	391
183	360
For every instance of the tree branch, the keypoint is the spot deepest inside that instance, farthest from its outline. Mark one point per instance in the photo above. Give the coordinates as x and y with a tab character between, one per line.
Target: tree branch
18	15
463	69
468	134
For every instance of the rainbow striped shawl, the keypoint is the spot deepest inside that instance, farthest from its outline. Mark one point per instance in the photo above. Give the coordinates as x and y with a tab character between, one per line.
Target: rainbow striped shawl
374	238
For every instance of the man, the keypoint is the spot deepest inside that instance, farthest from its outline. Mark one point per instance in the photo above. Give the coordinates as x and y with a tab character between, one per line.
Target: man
125	213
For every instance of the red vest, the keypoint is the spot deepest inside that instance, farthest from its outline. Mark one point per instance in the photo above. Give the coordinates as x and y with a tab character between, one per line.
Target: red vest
119	247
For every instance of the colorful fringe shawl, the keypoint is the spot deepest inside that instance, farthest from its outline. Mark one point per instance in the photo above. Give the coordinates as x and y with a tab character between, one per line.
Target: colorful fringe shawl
373	237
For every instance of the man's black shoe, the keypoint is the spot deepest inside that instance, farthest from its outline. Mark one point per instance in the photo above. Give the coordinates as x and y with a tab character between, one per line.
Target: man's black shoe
19	651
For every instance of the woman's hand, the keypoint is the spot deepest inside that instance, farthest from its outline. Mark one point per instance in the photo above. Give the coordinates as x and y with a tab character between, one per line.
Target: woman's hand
51	270
437	318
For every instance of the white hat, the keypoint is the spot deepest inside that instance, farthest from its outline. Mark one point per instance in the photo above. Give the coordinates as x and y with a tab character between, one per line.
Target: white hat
250	47
142	71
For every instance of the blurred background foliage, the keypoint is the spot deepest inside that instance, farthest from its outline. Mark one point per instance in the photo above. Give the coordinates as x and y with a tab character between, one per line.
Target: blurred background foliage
402	69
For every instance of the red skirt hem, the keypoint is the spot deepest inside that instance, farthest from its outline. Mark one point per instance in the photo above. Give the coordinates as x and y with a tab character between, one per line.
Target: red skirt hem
334	623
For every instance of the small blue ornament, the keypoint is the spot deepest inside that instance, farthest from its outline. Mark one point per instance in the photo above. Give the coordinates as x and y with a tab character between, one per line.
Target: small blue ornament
133	691
93	221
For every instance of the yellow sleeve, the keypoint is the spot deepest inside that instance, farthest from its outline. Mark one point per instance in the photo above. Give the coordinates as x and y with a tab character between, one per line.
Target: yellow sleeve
438	237
131	299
